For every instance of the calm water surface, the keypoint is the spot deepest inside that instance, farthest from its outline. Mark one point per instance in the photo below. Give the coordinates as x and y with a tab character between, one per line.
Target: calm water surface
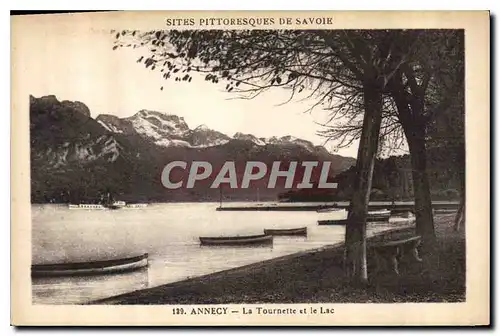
169	233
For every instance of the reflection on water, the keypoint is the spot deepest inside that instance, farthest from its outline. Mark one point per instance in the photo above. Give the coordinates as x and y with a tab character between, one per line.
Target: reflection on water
169	233
78	289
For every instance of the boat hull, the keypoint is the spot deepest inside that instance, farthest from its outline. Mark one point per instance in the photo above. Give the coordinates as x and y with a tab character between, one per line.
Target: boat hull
286	232
86	207
323	210
344	221
91	268
135	206
237	241
332	222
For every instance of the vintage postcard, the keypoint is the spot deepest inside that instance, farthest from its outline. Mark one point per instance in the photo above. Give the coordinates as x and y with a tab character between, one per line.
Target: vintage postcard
251	168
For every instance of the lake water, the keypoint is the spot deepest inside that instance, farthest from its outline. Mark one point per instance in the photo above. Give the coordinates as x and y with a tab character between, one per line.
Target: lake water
169	233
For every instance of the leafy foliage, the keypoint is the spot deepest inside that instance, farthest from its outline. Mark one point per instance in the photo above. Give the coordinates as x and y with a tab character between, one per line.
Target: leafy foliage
329	66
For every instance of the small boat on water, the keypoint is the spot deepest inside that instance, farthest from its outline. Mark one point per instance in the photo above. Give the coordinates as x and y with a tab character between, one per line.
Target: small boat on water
332	222
322	210
98	206
372	216
90	267
116	205
87	207
238	240
135	206
286	232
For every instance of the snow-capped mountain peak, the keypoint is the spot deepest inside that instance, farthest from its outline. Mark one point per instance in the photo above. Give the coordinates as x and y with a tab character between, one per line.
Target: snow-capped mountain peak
202	127
290	140
249	137
169	130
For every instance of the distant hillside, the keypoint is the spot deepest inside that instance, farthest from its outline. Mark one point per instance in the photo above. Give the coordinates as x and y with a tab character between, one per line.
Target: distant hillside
392	180
75	158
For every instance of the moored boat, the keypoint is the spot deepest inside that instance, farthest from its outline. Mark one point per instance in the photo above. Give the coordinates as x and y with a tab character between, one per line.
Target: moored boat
87	206
287	232
237	240
136	206
117	204
369	218
322	210
332	222
90	267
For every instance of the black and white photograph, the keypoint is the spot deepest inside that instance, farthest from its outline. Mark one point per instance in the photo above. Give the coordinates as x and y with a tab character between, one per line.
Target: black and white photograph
252	166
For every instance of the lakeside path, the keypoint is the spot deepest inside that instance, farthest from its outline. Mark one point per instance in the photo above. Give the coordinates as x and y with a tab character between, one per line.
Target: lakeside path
317	276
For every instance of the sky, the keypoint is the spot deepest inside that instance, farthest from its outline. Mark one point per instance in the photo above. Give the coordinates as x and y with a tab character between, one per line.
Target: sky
78	63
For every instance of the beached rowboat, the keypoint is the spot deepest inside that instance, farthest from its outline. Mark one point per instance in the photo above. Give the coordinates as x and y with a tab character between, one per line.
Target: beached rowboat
287	232
238	240
90	267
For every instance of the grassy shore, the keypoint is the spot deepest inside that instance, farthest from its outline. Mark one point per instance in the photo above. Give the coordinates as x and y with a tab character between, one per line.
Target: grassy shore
317	276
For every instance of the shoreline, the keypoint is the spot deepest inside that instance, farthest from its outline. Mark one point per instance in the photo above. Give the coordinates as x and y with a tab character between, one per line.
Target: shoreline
242	271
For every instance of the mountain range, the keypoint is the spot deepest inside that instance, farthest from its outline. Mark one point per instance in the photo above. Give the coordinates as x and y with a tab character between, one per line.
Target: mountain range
75	157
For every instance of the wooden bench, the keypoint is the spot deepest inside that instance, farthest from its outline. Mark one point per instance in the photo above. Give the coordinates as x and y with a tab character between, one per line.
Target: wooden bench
393	251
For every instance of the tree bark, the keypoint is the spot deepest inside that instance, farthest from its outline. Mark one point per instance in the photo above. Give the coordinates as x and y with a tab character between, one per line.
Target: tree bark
423	203
414	128
355	252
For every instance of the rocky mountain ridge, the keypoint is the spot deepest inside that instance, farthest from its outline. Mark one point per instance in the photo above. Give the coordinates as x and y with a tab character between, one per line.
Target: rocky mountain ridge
74	156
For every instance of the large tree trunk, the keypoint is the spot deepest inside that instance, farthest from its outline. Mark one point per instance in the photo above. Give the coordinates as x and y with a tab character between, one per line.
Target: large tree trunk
414	128
423	202
355	253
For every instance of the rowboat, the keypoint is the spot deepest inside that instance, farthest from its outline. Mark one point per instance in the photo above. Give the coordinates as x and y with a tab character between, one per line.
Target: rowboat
90	267
286	232
329	210
238	240
332	222
371	218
